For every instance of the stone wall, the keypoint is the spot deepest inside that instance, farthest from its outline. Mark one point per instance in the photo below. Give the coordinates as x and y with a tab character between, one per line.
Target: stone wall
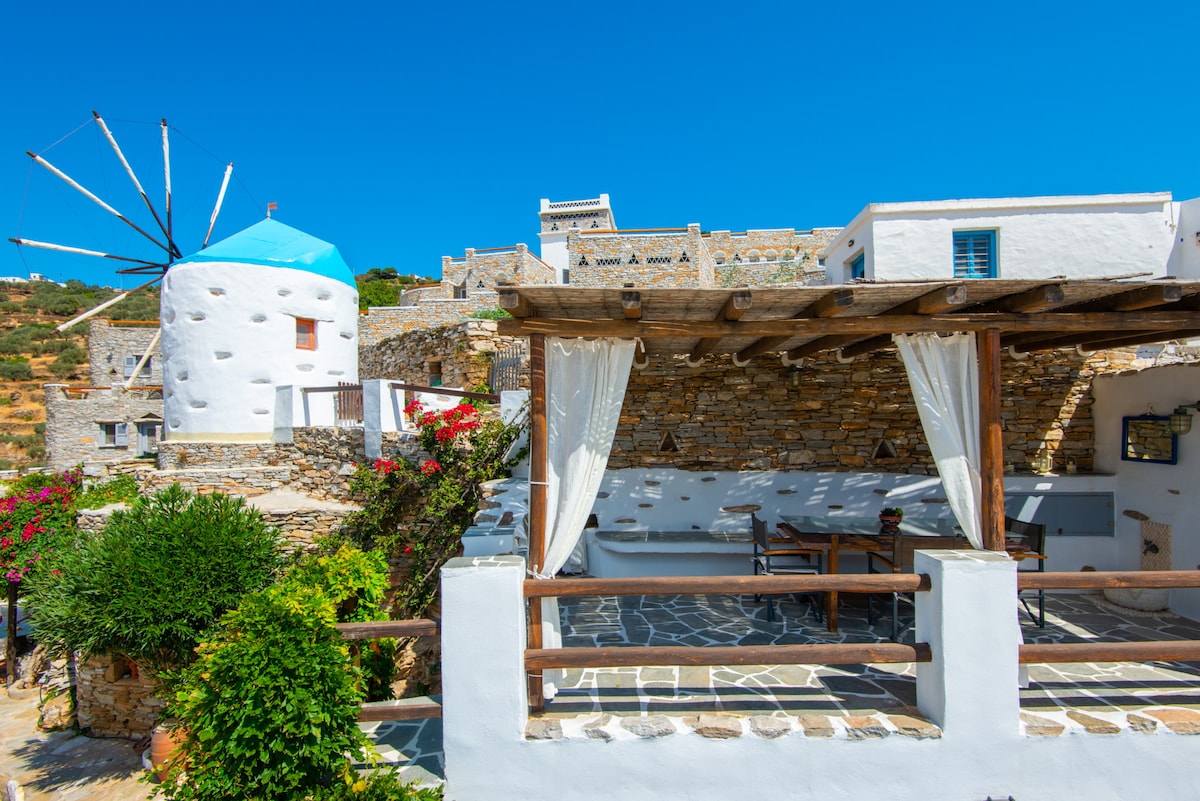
758	258
857	416
382	322
465	351
74	431
671	258
110	702
108	347
491	266
593	213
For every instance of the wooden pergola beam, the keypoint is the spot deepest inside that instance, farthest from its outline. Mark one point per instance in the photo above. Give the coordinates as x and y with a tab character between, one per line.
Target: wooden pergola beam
826	306
1034	300
515	303
939	300
735	306
1103	340
1164	322
631	305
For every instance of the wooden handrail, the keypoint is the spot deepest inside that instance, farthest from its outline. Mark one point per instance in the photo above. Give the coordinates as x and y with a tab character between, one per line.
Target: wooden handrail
454	393
653	655
1151	651
1103	579
420	627
343	388
728	585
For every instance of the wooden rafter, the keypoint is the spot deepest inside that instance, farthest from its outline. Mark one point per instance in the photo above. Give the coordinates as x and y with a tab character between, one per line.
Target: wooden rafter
833	303
734	308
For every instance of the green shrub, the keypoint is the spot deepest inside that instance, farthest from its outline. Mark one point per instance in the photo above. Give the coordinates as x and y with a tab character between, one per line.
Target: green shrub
271	704
155	579
120	489
356	582
380	785
491	314
10	307
16	370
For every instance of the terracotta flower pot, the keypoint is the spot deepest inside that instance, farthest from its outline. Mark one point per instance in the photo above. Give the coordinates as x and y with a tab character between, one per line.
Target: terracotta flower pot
166	744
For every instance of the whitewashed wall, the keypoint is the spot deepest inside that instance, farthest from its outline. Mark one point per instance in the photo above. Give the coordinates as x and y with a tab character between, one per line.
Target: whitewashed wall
1075	237
229	339
1185	257
1167	493
970	690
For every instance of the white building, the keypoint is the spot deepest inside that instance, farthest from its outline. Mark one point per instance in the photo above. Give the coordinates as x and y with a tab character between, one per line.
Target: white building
1074	237
268	307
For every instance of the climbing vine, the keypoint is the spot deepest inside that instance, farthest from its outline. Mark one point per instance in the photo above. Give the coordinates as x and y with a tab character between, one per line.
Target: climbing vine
418	509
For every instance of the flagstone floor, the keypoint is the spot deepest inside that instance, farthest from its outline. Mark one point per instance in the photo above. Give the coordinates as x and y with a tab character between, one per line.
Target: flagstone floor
1059	697
847	689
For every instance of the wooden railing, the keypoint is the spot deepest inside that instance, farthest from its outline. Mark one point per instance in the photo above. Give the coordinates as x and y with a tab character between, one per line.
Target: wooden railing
1145	651
401	708
538	659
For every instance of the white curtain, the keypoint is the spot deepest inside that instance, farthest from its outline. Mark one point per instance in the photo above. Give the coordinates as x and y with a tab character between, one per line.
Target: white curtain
585	387
944	375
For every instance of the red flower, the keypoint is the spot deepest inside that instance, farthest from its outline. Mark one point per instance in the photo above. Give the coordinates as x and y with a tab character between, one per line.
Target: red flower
413	408
430	467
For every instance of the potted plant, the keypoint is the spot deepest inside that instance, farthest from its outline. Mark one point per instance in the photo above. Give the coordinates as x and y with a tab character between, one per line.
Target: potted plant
891	516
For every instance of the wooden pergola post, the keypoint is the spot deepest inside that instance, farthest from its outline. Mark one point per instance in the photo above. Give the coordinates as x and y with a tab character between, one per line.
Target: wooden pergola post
991	444
538	470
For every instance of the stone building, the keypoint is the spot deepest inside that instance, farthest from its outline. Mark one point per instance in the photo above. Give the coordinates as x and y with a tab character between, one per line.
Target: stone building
116	349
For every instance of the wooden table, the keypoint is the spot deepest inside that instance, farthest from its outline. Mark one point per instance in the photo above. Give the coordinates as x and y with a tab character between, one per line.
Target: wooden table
864	535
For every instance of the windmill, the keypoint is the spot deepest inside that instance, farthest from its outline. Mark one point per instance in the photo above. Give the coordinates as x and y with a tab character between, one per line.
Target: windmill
163	239
267	308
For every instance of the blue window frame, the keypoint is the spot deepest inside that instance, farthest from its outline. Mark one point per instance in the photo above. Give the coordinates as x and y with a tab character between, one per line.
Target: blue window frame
858	267
975	254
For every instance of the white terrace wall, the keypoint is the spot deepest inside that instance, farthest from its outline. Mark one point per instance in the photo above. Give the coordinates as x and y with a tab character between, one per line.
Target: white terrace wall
1163	493
1185	257
980	748
1072	237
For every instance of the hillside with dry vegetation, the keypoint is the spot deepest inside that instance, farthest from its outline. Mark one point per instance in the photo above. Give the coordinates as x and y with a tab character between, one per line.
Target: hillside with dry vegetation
33	353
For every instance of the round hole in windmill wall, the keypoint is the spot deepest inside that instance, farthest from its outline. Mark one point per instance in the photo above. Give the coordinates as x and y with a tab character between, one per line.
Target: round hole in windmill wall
261	381
182	376
346	335
258	318
175	423
324	296
261	411
170	315
283	293
198	318
216	291
335	372
304	368
221	355
198	404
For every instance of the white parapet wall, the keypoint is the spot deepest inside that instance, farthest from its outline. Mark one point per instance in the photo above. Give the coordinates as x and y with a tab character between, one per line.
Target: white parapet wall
969	690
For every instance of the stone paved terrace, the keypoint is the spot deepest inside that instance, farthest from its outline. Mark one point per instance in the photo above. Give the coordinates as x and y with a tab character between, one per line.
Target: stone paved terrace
853	701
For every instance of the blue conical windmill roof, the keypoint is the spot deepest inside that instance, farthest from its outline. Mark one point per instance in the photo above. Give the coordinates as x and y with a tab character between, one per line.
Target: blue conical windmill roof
274	244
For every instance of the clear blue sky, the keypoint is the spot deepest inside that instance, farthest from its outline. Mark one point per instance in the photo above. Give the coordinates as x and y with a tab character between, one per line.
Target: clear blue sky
402	132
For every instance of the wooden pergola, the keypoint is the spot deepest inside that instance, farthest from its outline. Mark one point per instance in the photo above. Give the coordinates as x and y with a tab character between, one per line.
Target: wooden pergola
854	320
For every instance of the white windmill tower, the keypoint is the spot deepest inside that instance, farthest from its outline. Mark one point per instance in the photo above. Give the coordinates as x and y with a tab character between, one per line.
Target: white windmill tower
266	307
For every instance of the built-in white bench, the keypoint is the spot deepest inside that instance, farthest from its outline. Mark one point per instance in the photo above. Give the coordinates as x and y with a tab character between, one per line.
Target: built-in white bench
668	553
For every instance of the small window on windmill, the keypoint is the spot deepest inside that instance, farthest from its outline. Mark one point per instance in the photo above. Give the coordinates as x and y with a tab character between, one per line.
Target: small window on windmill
434	368
306	334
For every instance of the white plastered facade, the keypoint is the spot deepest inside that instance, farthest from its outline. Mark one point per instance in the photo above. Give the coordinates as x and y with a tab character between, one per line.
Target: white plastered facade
229	335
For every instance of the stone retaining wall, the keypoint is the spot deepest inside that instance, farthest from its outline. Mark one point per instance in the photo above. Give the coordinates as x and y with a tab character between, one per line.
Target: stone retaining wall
464	350
112	703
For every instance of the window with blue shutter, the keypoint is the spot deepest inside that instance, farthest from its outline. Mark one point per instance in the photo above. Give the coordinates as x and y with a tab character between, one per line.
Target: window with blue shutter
975	254
858	266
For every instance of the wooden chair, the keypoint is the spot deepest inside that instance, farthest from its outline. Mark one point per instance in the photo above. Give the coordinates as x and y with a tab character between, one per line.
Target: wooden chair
1027	541
773	558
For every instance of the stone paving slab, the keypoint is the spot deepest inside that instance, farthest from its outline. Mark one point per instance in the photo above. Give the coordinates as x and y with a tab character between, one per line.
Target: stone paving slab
853	701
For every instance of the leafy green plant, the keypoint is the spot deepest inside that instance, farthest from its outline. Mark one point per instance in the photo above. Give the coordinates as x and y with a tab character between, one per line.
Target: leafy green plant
271	704
16	370
357	582
379	785
419	510
491	314
154	579
119	489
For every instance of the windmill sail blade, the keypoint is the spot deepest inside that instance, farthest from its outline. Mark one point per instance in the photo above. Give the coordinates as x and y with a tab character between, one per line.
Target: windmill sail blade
133	177
106	304
167	176
217	209
80	188
33	243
